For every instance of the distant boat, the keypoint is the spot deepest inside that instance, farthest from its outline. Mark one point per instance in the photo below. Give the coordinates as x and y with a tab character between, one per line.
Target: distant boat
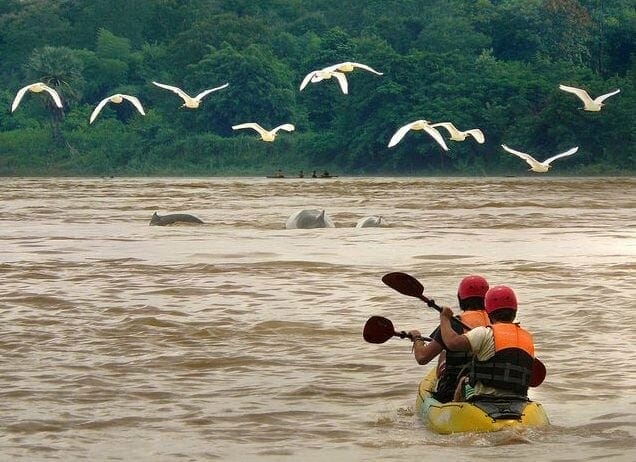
280	175
324	174
276	177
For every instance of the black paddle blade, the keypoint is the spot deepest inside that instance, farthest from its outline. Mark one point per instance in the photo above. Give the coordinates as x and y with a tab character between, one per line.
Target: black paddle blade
404	283
378	329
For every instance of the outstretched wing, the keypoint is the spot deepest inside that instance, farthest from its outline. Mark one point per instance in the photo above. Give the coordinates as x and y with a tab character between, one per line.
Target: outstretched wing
527	157
176	90
207	92
97	109
306	80
437	136
348	66
602	98
569	152
399	134
477	134
54	95
452	130
366	68
582	94
342	80
18	97
135	101
286	127
252	125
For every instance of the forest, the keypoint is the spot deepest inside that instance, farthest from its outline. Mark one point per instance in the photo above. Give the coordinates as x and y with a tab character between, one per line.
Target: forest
495	65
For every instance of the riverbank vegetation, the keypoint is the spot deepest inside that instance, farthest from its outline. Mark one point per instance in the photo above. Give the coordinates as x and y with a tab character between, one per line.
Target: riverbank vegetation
489	64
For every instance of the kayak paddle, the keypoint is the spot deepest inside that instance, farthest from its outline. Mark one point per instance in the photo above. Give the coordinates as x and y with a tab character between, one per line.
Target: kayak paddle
378	330
408	285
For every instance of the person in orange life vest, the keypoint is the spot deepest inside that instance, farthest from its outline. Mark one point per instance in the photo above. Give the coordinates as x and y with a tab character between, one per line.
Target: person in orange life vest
503	351
470	294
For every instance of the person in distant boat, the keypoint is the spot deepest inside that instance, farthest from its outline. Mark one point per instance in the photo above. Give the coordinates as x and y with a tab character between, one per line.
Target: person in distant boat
313	175
301	174
325	174
470	295
279	174
503	351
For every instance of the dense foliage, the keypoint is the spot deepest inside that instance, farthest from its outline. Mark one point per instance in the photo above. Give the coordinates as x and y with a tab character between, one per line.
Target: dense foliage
492	64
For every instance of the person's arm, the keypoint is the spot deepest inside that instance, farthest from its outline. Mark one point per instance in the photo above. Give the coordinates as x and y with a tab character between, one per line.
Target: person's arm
452	340
425	352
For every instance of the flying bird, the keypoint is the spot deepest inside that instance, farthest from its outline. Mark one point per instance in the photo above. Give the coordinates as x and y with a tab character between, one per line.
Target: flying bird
458	135
322	74
589	104
189	102
418	125
37	87
337	71
116	99
266	135
535	165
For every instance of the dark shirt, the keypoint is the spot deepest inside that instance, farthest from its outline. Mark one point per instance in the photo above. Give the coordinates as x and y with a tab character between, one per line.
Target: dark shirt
446	384
437	333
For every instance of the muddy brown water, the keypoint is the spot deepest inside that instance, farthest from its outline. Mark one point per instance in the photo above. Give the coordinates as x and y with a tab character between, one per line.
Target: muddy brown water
240	340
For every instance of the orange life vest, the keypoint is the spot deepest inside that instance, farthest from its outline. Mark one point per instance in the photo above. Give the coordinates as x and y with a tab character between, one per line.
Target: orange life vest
511	366
475	318
509	335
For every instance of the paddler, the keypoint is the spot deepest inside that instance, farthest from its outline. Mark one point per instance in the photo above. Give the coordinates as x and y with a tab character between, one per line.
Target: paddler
503	351
470	295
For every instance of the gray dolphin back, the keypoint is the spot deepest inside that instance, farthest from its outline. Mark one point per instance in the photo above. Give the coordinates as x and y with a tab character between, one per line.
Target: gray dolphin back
159	220
308	219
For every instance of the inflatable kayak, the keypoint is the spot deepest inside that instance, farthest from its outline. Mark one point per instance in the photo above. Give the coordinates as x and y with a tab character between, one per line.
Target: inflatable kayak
476	416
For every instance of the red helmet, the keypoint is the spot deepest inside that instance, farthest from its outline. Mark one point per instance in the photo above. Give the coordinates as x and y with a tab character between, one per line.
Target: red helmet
499	298
472	286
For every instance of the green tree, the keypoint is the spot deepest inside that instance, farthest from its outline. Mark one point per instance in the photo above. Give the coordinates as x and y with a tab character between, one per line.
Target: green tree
567	32
25	26
61	69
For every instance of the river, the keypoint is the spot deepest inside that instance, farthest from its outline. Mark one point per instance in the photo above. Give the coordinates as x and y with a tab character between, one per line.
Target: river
241	340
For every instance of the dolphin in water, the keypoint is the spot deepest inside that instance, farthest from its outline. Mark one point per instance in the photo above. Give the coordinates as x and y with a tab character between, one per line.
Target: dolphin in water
369	222
309	218
164	220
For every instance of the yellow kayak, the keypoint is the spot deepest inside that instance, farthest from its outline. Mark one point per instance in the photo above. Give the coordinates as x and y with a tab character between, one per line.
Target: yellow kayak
479	416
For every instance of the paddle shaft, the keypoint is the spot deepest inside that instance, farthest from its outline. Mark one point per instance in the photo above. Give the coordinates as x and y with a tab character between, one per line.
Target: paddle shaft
404	334
434	305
